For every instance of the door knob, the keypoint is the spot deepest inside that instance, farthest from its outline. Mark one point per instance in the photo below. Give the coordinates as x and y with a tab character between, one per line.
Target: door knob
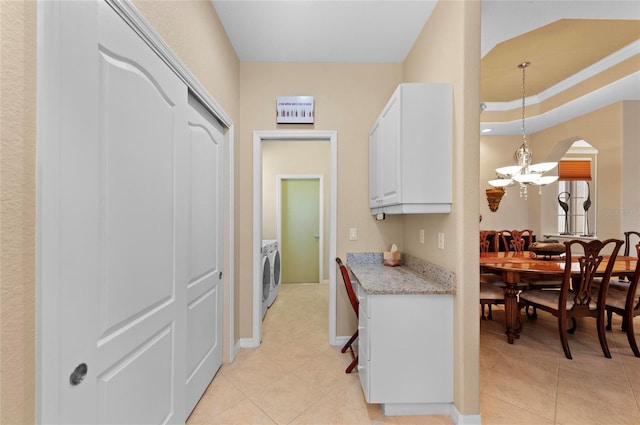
317	236
78	374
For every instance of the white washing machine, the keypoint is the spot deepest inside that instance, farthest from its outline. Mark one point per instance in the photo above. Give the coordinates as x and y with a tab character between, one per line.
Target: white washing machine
274	258
266	278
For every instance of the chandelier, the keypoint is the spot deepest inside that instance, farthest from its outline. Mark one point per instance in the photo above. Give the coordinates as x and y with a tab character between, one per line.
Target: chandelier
524	173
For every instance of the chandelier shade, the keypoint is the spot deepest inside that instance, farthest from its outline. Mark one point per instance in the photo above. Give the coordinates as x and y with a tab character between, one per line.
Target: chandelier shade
524	173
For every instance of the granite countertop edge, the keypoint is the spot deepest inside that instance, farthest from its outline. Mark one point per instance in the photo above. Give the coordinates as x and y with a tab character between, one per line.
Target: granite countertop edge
413	277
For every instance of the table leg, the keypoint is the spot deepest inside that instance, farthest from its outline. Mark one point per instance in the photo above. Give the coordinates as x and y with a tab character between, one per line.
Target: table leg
512	315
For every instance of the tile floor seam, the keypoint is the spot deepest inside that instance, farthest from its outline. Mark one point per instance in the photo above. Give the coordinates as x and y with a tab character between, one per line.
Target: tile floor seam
630	382
555	405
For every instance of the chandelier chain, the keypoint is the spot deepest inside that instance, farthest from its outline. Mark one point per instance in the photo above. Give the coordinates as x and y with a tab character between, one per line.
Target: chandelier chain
524	66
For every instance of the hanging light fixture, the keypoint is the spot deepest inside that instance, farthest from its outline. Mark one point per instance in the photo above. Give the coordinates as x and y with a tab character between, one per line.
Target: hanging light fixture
524	173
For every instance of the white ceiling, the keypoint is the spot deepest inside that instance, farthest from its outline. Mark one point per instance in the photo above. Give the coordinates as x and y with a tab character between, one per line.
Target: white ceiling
383	31
323	31
380	31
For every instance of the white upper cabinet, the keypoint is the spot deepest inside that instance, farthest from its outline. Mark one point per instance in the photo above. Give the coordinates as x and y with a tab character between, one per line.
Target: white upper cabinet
410	151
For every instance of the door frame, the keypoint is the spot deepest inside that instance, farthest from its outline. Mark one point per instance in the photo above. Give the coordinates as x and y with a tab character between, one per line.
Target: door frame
50	100
320	178
302	136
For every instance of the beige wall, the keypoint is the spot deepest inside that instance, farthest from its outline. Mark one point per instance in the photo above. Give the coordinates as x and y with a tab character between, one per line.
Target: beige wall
17	211
630	207
603	129
497	151
348	98
295	158
448	50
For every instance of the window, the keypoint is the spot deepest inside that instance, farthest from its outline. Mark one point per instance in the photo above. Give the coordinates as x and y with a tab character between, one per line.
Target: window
576	190
574	193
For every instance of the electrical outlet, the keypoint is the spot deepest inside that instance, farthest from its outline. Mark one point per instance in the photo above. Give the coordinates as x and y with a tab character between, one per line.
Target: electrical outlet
421	235
353	234
441	240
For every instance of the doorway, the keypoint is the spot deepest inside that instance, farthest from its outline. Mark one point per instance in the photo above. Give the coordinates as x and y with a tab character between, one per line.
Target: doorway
300	224
292	136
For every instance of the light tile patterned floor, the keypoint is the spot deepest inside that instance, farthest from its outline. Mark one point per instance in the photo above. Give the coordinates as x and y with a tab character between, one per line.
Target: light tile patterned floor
295	377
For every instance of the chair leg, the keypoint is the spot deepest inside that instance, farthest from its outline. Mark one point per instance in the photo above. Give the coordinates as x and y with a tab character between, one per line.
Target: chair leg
609	317
351	340
482	307
630	335
562	329
574	326
349	346
352	365
602	335
490	315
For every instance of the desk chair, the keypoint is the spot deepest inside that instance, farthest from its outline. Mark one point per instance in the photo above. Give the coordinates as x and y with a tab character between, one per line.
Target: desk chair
355	305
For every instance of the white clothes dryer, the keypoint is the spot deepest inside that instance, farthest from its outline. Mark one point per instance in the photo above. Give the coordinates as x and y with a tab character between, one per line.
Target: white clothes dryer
274	258
266	279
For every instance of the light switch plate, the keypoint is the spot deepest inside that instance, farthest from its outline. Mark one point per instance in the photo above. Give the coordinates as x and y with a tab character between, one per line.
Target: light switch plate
441	240
353	234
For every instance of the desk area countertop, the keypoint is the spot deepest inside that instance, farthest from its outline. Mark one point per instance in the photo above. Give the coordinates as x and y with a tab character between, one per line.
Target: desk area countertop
410	306
377	279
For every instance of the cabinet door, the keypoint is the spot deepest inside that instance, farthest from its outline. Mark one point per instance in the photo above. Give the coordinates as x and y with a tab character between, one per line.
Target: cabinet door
389	152
374	166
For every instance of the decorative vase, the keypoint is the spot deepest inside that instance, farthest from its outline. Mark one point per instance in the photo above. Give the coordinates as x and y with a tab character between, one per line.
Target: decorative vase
565	206
586	205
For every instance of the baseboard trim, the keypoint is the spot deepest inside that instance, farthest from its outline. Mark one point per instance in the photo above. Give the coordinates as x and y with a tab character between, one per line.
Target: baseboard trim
341	340
248	343
460	419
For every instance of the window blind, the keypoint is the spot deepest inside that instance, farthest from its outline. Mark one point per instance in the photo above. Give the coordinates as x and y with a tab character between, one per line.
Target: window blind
574	170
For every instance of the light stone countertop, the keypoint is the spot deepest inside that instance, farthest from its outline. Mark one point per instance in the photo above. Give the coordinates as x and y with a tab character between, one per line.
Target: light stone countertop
376	278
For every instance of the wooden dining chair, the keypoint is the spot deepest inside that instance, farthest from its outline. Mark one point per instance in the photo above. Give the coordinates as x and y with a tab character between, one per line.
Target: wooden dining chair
491	285
629	243
577	297
516	240
622	282
353	299
626	303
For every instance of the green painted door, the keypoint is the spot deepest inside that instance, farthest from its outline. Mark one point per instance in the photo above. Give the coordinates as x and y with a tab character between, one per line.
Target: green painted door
300	230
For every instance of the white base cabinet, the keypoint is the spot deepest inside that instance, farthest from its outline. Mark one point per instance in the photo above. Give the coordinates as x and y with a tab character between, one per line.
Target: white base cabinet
410	151
405	352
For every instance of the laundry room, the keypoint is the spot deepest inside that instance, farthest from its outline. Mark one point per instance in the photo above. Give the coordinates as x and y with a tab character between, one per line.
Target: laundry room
295	214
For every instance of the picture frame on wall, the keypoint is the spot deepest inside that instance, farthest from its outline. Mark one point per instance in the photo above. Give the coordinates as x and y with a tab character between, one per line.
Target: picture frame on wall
295	110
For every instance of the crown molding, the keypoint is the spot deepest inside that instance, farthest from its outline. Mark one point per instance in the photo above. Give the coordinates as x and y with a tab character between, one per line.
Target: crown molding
627	88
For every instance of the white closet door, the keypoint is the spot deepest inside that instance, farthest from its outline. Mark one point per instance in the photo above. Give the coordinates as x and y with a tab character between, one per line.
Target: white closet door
123	234
204	286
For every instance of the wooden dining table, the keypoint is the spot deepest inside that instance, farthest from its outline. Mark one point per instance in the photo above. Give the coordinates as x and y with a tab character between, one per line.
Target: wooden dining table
516	268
